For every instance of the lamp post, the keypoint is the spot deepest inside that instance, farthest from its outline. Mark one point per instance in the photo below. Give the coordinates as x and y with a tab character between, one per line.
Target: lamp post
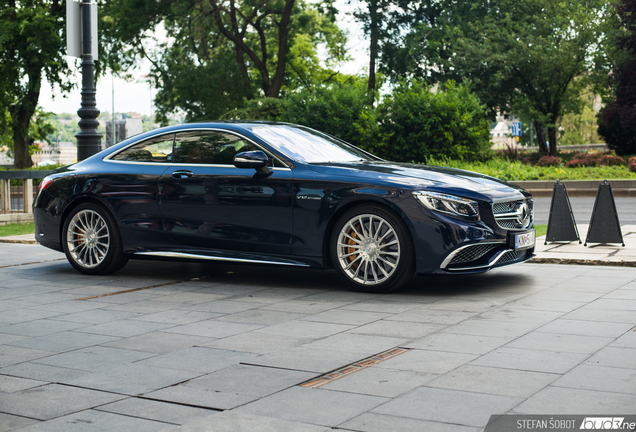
88	139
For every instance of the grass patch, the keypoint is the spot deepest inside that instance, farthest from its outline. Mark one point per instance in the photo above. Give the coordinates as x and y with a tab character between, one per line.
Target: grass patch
541	230
17	229
514	170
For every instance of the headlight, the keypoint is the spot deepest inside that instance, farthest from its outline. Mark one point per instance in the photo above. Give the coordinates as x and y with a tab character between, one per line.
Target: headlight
448	204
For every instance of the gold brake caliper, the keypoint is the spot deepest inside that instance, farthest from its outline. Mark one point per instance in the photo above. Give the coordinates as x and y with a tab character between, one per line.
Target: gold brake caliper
352	250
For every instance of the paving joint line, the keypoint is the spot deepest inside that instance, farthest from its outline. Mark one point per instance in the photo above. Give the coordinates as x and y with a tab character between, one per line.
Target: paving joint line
139	289
35	262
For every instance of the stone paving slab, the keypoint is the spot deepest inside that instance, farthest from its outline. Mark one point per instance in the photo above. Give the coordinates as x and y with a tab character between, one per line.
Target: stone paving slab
232	421
221	350
53	400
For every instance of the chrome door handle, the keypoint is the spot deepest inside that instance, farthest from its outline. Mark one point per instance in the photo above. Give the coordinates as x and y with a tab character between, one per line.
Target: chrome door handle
182	174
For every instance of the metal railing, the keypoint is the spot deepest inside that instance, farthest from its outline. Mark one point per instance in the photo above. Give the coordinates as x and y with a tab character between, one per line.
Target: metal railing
17	190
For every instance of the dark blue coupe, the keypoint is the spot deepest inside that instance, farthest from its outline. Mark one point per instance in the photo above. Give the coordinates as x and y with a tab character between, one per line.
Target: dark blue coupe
279	194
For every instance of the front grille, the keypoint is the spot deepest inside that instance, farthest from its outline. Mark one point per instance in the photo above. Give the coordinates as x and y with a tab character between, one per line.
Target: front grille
509	214
510	257
472	253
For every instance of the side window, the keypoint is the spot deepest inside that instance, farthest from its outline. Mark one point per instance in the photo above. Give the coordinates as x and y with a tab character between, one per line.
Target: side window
158	149
211	148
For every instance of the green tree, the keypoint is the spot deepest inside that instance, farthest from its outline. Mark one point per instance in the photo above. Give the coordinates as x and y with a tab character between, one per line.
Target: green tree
41	129
223	52
580	127
31	46
617	121
531	57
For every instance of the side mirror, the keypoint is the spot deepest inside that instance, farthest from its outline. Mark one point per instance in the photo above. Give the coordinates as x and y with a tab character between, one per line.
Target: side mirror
252	159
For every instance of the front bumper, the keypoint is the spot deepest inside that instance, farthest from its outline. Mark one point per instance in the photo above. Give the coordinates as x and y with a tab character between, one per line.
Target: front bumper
483	256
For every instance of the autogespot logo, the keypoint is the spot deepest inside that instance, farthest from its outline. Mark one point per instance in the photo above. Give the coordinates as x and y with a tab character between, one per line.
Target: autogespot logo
606	423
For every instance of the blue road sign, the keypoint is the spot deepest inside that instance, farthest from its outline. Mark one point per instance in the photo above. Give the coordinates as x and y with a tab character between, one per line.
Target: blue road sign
516	128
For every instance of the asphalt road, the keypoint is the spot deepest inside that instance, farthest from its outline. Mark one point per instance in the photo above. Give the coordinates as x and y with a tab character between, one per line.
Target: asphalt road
582	209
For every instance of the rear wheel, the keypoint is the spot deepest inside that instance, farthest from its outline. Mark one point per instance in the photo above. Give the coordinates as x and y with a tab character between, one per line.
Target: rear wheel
91	240
372	250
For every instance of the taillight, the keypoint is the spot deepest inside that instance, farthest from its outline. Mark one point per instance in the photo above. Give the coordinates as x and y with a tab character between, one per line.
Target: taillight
45	183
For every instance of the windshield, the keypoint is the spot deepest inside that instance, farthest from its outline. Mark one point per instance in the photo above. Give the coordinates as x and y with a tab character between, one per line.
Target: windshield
309	146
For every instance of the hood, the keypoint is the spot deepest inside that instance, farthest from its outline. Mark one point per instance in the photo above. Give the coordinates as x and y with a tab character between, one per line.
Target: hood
424	177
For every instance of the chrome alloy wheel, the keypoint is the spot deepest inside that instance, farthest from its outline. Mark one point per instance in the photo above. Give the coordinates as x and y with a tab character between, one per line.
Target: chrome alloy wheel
368	249
87	238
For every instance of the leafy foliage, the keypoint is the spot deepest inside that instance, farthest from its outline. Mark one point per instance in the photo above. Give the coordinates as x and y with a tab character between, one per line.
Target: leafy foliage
40	129
410	124
548	160
529	57
617	121
516	170
339	110
222	53
31	46
419	123
592	159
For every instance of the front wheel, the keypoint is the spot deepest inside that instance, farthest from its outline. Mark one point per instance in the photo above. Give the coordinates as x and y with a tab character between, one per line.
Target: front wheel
372	249
91	240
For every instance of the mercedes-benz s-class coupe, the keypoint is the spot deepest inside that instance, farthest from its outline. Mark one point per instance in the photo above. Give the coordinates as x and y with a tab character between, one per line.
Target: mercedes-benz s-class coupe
279	194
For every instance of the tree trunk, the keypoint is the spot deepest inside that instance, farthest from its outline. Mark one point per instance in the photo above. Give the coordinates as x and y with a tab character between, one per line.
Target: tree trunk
21	114
247	87
543	148
283	42
552	137
373	47
20	125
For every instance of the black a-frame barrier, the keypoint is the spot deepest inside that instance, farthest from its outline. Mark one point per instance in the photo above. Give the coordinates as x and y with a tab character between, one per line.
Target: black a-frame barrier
604	225
561	224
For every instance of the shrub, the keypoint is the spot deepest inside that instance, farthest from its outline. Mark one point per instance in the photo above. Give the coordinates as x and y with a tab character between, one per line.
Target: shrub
595	158
342	110
548	160
417	123
631	164
611	160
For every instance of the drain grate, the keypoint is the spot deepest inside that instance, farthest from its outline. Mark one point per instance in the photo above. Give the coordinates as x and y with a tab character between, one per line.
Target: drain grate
354	367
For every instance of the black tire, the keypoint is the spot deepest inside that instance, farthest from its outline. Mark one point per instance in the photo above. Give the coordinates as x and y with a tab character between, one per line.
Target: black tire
372	249
91	240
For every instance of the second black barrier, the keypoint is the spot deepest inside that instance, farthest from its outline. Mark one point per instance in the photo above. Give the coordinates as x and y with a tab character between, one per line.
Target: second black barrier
604	225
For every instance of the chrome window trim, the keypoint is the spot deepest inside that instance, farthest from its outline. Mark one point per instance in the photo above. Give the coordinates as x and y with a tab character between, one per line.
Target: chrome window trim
168	165
108	158
214	258
450	256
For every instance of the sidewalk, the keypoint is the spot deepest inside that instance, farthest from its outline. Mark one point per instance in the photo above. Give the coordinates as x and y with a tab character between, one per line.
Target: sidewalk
552	253
593	254
178	347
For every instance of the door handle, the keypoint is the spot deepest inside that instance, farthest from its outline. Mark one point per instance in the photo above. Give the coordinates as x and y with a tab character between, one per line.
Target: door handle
182	174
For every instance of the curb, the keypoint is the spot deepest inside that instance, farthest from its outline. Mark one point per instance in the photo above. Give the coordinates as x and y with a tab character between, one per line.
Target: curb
18	241
582	262
578	188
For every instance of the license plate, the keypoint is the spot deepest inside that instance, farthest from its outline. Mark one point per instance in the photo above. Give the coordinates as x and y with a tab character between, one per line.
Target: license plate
524	240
